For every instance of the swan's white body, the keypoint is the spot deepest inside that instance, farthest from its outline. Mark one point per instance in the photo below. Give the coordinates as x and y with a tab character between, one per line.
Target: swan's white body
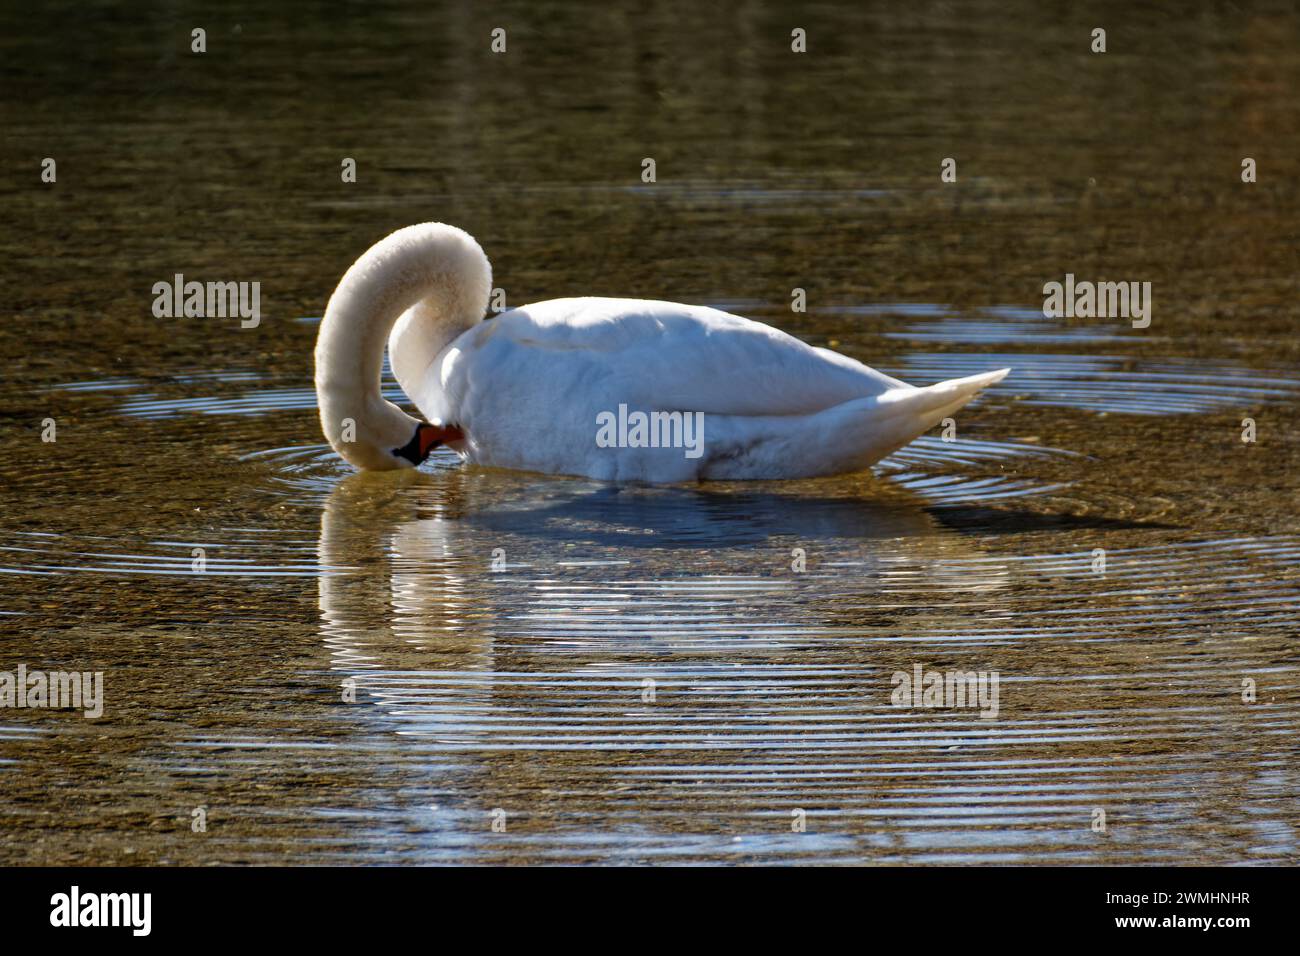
530	388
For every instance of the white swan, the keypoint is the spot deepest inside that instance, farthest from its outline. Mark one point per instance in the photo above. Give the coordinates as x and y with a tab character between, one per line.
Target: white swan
537	388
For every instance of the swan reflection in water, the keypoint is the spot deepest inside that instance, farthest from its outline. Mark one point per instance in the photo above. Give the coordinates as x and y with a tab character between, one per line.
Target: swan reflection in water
474	606
648	669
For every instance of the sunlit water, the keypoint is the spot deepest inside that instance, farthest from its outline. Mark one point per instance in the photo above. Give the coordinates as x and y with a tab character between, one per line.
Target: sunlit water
346	668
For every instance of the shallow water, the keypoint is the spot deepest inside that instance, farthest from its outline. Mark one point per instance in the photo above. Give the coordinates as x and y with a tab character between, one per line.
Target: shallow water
368	668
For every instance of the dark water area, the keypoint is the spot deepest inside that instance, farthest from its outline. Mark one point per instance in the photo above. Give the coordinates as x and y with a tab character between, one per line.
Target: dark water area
378	668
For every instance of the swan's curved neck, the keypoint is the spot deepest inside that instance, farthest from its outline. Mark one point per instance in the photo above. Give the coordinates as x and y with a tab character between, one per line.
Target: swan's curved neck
439	269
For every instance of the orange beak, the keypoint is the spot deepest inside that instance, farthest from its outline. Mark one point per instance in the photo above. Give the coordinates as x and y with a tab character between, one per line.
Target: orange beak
426	438
431	436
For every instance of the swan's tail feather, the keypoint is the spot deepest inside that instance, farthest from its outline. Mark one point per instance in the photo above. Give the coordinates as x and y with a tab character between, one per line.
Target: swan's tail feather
847	437
933	403
910	413
901	415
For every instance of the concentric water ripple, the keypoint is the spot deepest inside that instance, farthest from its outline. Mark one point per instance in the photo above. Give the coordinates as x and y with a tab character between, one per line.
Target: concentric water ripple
678	674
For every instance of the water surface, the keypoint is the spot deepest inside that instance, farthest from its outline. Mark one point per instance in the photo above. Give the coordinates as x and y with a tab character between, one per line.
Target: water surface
374	669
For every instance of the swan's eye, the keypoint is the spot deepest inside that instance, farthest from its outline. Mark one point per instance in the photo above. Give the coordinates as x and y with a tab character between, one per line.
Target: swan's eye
422	442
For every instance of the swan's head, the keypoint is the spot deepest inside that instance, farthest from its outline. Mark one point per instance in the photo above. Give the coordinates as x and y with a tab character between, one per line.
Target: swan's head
380	436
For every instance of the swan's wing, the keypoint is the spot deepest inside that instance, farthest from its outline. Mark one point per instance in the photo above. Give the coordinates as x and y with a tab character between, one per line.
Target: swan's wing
661	355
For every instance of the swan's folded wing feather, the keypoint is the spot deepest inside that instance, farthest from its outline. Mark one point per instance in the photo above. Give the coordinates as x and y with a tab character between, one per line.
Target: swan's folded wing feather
661	355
